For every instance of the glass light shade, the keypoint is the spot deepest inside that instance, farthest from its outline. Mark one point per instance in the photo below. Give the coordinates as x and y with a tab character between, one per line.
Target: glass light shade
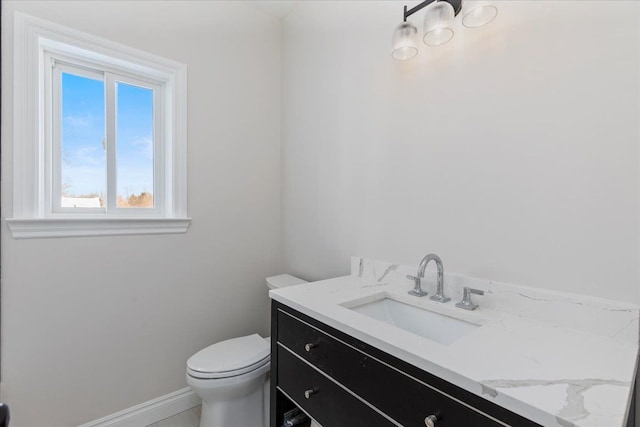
478	13
404	44
438	23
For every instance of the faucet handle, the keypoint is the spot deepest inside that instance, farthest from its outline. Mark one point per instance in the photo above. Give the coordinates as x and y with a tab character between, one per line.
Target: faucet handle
417	290
466	302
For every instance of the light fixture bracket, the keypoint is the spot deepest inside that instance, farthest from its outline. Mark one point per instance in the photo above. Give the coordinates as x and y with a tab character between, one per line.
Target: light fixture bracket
457	7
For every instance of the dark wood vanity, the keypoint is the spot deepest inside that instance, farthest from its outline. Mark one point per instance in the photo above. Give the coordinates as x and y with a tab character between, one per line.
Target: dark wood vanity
343	382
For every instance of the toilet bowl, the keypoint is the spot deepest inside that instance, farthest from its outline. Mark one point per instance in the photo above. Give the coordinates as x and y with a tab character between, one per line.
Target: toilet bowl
232	377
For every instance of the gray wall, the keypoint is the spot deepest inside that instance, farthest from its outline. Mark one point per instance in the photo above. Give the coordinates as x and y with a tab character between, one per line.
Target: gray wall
512	151
91	326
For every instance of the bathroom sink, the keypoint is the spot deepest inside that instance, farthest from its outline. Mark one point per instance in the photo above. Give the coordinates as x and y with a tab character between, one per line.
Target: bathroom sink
436	327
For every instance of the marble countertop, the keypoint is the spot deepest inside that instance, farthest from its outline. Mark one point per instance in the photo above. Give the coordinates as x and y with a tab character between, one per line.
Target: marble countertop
554	370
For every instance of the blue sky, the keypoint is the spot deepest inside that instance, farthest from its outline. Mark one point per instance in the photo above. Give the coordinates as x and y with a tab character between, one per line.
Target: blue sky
83	129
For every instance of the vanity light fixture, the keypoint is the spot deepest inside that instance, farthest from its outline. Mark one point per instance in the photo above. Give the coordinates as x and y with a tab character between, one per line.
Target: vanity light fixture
438	23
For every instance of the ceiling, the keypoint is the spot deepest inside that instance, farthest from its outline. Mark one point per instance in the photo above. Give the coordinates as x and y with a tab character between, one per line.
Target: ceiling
277	8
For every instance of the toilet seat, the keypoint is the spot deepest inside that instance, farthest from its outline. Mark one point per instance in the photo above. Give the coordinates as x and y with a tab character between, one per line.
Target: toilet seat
230	358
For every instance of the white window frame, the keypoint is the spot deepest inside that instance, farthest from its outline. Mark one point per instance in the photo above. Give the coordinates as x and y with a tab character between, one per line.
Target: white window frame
41	46
52	89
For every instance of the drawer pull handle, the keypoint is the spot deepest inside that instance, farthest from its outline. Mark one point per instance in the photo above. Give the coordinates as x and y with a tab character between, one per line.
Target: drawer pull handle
309	346
308	393
430	421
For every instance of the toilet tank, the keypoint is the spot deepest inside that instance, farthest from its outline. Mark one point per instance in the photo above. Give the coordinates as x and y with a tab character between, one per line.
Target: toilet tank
283	280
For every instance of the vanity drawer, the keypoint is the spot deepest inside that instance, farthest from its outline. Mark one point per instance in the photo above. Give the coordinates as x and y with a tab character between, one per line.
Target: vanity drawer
329	404
405	398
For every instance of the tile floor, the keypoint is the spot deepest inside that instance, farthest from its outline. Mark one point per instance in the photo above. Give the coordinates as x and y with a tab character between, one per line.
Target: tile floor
190	418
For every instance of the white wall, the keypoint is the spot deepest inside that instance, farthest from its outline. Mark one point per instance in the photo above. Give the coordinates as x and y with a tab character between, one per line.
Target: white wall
91	326
512	152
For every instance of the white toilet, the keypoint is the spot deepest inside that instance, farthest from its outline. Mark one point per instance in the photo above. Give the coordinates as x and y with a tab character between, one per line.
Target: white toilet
232	377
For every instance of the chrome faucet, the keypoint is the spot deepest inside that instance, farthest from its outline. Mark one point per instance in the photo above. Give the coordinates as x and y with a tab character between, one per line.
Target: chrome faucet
417	290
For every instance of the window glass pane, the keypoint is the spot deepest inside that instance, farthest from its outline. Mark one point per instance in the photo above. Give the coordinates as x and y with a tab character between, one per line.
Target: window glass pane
83	170
134	157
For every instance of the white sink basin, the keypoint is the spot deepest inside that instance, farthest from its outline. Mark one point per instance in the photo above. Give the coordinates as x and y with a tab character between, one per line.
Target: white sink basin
436	327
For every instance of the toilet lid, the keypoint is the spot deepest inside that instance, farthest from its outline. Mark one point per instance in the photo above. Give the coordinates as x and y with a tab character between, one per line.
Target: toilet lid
229	358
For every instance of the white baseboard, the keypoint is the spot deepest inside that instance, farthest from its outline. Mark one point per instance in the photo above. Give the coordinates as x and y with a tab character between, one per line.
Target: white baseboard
150	412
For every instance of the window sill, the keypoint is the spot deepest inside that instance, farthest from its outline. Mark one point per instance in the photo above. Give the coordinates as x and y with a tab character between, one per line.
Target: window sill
39	228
